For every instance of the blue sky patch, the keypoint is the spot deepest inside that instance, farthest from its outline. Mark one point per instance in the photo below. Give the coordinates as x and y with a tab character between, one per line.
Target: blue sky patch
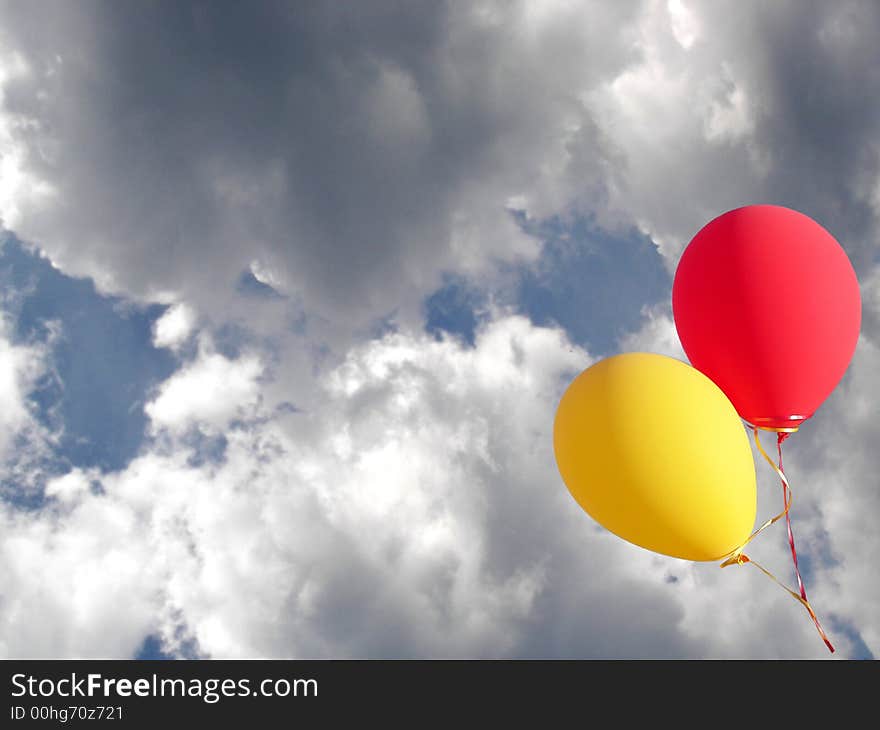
590	282
104	364
249	285
455	308
593	284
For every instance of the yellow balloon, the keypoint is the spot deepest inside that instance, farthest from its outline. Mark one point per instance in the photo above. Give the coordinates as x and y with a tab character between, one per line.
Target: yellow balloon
655	452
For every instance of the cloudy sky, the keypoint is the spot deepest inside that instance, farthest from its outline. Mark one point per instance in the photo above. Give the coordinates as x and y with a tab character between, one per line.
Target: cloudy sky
290	292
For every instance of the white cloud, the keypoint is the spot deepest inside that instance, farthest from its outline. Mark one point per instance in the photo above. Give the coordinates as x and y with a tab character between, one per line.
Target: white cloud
729	119
362	528
685	26
16	374
74	583
19	185
657	334
416	512
23	439
71	486
174	327
208	392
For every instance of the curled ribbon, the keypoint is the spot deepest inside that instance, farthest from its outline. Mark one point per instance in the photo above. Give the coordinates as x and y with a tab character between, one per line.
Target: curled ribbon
737	557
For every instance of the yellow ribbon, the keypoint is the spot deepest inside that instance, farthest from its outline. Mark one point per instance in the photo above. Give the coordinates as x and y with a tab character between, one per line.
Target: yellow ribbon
737	557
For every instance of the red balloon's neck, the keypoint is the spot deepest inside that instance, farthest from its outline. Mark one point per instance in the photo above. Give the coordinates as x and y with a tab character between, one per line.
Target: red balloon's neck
783	424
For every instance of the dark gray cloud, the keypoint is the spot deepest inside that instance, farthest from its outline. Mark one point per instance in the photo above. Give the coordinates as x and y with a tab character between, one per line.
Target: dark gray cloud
359	152
355	152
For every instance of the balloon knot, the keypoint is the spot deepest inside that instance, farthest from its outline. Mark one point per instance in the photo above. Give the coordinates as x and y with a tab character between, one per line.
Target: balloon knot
736	559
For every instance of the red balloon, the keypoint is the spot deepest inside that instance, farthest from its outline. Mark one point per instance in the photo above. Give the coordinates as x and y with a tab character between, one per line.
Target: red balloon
766	303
